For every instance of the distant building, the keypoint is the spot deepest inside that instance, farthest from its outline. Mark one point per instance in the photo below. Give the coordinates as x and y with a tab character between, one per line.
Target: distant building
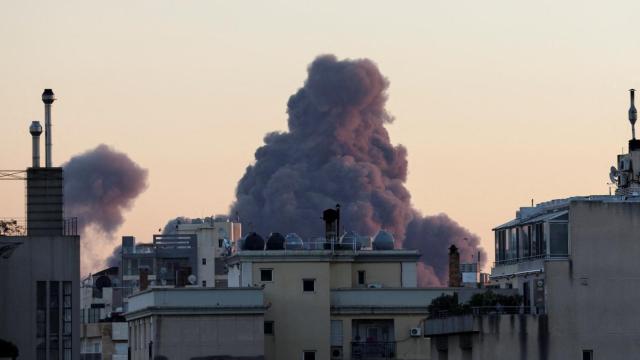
40	265
103	329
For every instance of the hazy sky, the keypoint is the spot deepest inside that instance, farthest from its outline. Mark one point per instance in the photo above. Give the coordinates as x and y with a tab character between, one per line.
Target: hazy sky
498	102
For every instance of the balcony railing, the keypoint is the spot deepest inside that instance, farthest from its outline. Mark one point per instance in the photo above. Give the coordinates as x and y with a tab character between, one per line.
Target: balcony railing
530	258
363	350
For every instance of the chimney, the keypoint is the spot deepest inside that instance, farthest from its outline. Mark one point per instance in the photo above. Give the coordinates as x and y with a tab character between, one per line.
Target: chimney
455	277
47	98
35	129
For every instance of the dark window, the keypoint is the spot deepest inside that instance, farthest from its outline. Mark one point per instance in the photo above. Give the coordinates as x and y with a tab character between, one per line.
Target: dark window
559	238
268	328
204	261
309	285
266	274
66	320
204	283
309	355
361	277
587	354
41	319
220	241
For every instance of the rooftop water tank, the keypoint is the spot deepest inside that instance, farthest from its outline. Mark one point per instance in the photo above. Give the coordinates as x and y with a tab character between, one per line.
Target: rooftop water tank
253	241
275	241
293	242
383	241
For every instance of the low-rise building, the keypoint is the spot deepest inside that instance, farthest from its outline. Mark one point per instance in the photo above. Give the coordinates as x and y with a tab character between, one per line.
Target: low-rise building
196	323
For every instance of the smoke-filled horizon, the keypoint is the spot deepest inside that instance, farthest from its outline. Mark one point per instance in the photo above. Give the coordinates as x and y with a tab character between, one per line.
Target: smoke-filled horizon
100	185
337	150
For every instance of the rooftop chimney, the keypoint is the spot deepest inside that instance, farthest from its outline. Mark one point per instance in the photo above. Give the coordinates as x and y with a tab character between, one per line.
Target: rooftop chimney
47	98
455	277
35	129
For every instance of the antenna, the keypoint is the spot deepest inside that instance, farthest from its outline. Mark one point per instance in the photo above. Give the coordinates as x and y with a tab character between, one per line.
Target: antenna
633	114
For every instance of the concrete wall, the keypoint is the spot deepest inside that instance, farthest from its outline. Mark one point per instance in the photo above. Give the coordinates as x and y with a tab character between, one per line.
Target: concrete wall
593	299
512	337
301	319
192	337
387	274
39	258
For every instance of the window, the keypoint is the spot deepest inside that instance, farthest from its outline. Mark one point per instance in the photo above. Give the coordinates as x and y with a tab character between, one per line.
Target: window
309	355
204	283
361	277
220	241
268	328
587	354
204	261
266	274
309	285
66	320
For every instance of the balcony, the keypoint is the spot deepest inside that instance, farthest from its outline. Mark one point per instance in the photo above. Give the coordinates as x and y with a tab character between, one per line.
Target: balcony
377	350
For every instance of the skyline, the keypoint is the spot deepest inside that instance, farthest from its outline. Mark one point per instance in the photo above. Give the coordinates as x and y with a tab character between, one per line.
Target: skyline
472	169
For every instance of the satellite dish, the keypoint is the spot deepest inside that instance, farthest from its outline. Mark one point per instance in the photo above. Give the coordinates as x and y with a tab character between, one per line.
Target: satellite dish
192	279
613	174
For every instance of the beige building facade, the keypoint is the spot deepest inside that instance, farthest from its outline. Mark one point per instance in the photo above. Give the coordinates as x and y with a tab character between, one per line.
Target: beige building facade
338	304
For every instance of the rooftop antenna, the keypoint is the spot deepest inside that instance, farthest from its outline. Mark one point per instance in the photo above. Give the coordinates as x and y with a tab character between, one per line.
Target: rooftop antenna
633	114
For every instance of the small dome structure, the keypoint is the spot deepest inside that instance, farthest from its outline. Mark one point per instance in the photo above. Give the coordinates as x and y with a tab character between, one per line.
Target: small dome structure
383	241
293	242
349	238
275	241
253	241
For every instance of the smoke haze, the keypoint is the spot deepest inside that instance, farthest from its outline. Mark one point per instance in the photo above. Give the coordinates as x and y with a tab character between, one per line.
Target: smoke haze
100	185
337	150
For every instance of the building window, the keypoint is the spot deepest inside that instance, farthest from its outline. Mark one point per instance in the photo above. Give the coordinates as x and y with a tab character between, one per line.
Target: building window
308	285
66	319
220	241
204	261
361	277
309	355
204	283
587	354
41	320
266	274
268	328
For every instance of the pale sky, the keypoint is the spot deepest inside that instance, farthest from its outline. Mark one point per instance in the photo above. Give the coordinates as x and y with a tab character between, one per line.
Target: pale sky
497	102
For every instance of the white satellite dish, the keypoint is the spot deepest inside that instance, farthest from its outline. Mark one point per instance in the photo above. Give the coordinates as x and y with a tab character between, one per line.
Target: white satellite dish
192	279
613	174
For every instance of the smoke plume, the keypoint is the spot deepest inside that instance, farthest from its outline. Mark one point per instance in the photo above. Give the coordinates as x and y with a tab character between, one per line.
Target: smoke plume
100	185
337	150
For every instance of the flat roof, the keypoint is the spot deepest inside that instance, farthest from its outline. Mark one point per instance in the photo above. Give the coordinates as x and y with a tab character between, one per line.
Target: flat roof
325	255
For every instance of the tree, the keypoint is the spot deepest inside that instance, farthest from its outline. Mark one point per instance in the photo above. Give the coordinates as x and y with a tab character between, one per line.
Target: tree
10	228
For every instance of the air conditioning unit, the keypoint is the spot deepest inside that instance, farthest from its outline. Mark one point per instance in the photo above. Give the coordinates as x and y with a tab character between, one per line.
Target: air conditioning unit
415	332
336	353
374	286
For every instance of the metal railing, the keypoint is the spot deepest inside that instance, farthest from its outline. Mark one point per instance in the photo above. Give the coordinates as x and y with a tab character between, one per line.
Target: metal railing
70	226
529	258
373	350
488	310
317	243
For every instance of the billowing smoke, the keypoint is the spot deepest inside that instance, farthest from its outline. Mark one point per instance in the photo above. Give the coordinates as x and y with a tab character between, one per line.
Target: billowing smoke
337	150
100	185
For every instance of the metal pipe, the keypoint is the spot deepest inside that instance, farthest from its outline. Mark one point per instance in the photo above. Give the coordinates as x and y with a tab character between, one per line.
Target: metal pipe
35	129
47	98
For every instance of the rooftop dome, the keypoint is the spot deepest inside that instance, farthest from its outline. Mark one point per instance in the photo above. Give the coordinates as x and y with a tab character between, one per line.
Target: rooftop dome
253	241
293	242
383	241
350	238
276	241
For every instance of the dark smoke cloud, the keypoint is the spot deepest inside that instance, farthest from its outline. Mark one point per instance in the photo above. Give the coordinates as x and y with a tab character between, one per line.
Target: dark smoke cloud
337	150
100	185
115	258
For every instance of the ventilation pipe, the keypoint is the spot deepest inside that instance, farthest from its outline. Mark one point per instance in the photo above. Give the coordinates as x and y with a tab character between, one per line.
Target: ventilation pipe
47	98
35	129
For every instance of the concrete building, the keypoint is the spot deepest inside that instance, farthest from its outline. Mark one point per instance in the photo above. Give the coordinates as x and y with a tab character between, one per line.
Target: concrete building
40	265
574	262
103	330
196	323
337	300
215	237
